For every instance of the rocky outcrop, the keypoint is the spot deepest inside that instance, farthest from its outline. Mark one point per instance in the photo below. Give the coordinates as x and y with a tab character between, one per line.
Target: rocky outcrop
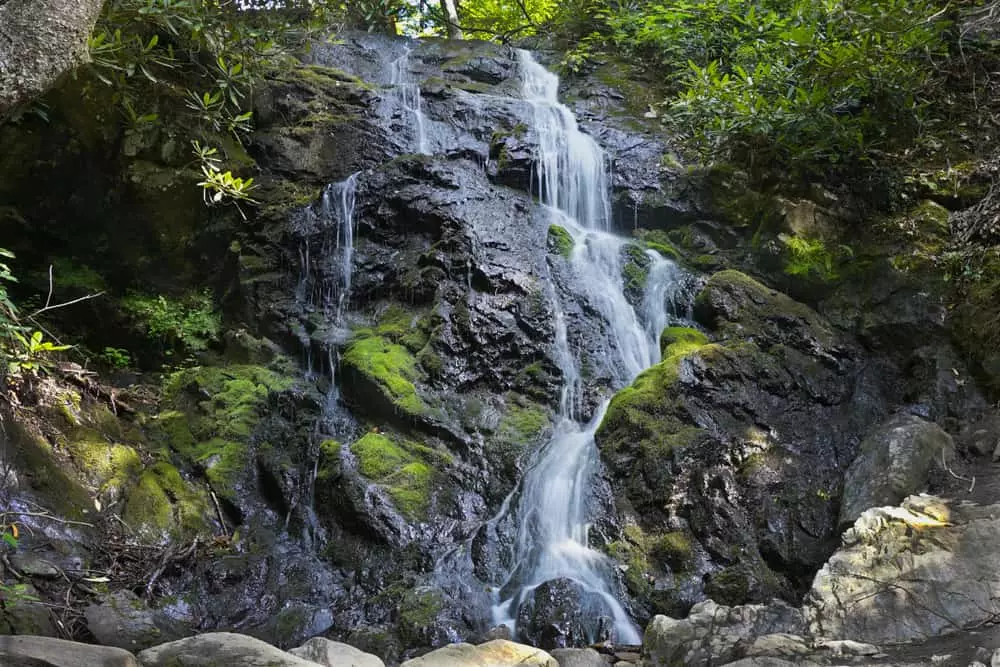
729	454
905	579
335	654
894	462
920	570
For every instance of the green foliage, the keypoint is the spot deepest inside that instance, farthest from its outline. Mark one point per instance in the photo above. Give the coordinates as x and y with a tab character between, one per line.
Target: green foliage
794	83
188	325
30	353
812	257
505	19
116	357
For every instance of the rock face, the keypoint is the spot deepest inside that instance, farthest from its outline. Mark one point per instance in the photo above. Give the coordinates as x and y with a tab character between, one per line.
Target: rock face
48	652
729	454
907	574
920	570
497	653
894	462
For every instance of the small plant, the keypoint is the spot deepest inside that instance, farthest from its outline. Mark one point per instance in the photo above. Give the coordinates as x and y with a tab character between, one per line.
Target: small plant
813	257
32	355
189	324
116	357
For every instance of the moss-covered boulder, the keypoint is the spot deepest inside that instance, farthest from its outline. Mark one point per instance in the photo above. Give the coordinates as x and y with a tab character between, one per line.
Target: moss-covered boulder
726	452
405	470
209	421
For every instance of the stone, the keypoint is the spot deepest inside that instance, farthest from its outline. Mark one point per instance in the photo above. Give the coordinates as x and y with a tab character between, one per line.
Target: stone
714	634
924	569
496	653
26	650
34	566
335	654
578	657
778	645
848	647
995	658
894	463
220	648
123	620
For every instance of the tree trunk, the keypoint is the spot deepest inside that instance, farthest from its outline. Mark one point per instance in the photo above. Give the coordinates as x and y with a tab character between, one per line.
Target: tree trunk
40	40
450	9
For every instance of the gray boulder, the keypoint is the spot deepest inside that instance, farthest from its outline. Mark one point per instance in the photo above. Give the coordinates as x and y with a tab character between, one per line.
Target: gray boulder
578	657
335	654
894	463
220	648
29	651
123	620
715	634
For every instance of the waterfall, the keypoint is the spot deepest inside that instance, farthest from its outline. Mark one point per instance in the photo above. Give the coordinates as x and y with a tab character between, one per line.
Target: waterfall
408	93
551	510
337	208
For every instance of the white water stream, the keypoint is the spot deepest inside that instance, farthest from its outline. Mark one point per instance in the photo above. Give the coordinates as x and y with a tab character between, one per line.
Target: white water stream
552	509
408	93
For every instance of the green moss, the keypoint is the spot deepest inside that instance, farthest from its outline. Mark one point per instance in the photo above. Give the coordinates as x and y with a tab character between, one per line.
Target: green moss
523	422
162	505
635	270
406	470
561	241
729	586
675	549
323	76
643	414
681	335
418	611
391	368
657	239
210	414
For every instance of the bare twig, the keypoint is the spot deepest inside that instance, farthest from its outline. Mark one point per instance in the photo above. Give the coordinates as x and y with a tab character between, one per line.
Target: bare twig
66	303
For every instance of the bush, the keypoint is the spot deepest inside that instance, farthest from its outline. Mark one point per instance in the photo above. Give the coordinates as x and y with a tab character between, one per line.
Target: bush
809	85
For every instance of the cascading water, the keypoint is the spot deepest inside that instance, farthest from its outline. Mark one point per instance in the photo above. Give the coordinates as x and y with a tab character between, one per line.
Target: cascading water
408	93
551	508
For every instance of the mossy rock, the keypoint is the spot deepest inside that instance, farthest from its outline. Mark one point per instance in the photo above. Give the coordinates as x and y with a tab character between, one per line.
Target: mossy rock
382	369
418	612
163	505
636	416
682	335
209	417
734	305
560	241
406	470
658	240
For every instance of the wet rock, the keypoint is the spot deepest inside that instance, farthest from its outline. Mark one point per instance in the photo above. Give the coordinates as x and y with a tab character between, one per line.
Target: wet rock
907	573
335	654
124	621
219	648
27	650
561	613
499	653
737	439
33	565
25	616
894	462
